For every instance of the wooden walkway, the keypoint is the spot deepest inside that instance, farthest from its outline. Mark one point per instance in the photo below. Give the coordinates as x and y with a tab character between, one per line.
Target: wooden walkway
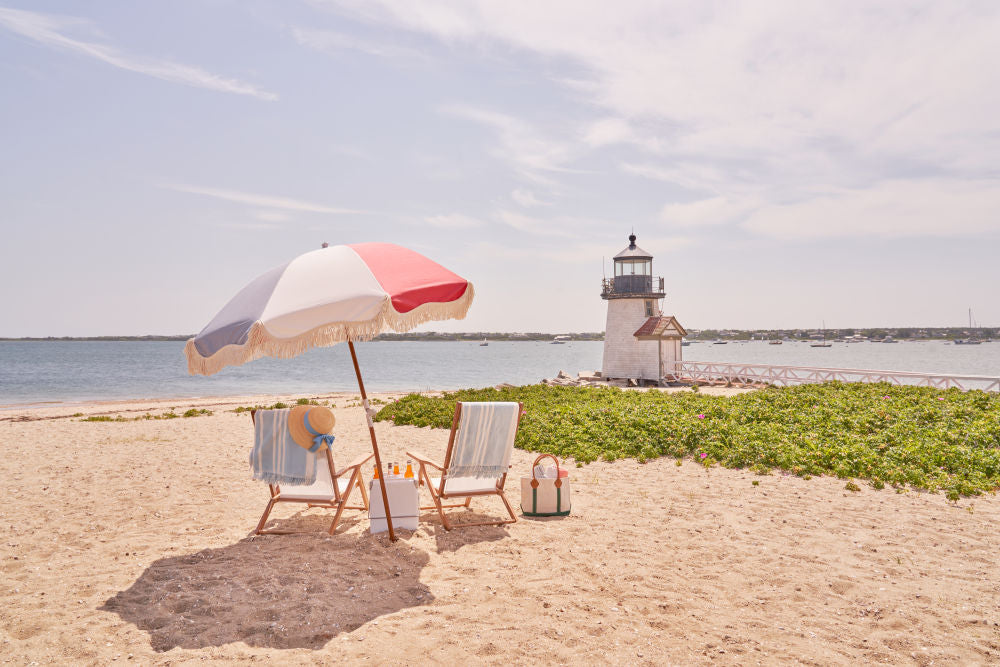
695	371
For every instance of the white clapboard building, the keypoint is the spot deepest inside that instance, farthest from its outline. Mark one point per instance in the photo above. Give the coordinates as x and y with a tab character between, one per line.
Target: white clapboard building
639	340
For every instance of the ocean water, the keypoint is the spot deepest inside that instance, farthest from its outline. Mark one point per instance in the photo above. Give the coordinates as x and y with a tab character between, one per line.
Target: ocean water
34	372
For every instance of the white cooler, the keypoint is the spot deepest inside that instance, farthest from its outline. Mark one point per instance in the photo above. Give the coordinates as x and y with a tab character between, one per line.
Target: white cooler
404	502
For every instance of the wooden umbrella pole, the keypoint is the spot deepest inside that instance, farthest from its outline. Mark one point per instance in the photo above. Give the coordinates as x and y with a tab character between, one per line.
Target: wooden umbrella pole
371	430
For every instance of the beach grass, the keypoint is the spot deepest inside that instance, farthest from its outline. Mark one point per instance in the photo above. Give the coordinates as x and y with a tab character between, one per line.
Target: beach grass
917	437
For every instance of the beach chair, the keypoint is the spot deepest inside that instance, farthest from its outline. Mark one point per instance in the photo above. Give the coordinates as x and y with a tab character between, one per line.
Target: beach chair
332	489
481	441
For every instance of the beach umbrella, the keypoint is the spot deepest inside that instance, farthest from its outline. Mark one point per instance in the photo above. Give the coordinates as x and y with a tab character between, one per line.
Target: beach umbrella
336	294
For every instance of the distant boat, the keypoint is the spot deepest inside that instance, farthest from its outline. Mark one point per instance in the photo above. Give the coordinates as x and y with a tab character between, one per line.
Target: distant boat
720	342
774	342
685	343
822	343
484	343
889	339
560	340
971	340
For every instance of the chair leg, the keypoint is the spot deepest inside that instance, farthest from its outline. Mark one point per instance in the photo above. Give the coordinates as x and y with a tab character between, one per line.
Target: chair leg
468	501
434	497
263	518
343	501
510	510
364	491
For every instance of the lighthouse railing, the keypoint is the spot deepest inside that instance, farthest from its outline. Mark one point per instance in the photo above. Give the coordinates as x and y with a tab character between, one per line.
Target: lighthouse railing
712	372
629	285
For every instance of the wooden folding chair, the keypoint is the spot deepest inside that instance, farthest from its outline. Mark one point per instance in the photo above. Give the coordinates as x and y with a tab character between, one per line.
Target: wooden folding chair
445	487
331	489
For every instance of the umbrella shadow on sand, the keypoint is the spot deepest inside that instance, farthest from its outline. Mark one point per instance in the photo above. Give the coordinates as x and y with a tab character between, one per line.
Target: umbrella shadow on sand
275	591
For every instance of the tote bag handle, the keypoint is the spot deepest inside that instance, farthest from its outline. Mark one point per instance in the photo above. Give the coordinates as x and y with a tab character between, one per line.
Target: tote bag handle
534	479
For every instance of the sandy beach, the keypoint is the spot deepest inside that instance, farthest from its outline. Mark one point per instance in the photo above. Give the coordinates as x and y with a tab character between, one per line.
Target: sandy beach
132	542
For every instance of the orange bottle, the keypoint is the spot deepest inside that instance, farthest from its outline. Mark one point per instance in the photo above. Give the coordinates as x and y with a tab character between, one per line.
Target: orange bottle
375	474
395	470
409	470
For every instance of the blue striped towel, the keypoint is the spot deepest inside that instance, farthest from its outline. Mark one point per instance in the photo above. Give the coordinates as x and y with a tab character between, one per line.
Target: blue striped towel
275	457
484	440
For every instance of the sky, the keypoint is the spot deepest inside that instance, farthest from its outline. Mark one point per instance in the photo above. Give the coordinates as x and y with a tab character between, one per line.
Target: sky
787	164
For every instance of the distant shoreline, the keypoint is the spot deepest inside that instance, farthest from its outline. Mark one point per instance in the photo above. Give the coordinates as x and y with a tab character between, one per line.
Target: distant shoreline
877	333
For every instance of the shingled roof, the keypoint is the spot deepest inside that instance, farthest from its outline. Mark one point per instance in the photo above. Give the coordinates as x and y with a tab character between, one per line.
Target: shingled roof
665	326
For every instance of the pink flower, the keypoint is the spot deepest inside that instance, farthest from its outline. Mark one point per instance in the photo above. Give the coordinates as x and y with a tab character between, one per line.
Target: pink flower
701	416
885	397
940	398
703	455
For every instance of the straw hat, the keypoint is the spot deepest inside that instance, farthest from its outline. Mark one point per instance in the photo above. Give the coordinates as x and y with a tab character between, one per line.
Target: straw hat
308	423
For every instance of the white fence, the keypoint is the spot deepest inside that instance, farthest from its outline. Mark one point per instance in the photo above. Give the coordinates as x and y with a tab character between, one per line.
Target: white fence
789	375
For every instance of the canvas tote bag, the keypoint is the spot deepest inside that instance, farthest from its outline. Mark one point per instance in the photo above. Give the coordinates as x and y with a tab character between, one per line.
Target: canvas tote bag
545	496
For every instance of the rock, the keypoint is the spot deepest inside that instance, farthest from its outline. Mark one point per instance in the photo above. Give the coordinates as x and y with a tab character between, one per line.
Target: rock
563	375
502	385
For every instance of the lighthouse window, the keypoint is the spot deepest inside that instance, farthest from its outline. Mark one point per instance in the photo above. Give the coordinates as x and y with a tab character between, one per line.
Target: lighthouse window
649	308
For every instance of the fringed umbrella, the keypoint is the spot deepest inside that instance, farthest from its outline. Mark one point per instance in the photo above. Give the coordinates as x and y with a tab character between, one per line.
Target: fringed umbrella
328	296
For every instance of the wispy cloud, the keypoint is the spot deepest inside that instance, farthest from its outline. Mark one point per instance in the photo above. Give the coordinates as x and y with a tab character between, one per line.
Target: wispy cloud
330	41
893	209
527	198
712	211
263	201
518	143
453	221
49	30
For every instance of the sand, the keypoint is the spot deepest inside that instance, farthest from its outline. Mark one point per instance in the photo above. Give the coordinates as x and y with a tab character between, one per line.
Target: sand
132	542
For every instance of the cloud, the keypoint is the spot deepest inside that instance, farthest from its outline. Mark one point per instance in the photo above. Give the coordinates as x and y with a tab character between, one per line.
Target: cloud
263	201
453	221
526	198
713	211
892	209
272	216
330	41
519	144
776	102
608	131
47	29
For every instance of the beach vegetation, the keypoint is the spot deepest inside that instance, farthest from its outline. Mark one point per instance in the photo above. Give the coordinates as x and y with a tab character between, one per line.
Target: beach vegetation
918	437
250	408
170	414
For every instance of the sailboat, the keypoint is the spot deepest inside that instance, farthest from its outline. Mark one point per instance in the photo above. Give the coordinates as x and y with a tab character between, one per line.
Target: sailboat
823	343
484	343
971	340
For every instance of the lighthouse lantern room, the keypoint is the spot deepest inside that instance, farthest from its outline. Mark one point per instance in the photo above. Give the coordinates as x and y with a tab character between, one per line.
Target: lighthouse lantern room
640	342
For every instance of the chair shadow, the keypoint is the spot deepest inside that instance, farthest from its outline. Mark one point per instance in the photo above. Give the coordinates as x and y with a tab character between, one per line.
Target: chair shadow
274	591
459	536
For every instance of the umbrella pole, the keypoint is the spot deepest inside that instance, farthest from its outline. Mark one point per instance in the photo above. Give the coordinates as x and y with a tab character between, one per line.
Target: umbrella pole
371	430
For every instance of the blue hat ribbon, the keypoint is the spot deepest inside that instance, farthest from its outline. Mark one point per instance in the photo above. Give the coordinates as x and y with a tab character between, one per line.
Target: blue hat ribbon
319	439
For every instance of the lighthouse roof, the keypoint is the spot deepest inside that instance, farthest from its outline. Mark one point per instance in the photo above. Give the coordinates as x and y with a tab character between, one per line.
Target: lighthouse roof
633	251
665	326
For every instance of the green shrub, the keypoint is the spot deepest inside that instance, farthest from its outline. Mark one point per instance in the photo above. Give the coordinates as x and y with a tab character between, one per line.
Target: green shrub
920	437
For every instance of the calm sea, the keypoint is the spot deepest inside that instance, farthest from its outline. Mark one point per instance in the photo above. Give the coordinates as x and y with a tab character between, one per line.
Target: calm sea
32	372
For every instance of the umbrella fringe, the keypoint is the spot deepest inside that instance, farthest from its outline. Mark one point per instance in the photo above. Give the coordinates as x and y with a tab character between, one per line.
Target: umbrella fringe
260	343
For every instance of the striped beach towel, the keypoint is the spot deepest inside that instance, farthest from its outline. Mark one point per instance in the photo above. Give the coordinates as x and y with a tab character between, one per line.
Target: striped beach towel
275	457
484	440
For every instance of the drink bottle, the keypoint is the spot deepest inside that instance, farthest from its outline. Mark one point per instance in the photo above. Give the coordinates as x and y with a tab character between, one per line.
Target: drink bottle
409	470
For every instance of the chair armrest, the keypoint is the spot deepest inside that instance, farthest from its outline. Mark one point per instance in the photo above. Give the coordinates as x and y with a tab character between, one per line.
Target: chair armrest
356	463
420	458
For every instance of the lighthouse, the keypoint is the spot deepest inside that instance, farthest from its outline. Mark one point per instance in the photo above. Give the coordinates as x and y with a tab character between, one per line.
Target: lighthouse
640	342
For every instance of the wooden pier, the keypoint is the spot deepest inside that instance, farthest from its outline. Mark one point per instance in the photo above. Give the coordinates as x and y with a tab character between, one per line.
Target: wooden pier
698	371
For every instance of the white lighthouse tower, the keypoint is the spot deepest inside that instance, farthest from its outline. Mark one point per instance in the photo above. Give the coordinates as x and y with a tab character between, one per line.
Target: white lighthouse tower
640	342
